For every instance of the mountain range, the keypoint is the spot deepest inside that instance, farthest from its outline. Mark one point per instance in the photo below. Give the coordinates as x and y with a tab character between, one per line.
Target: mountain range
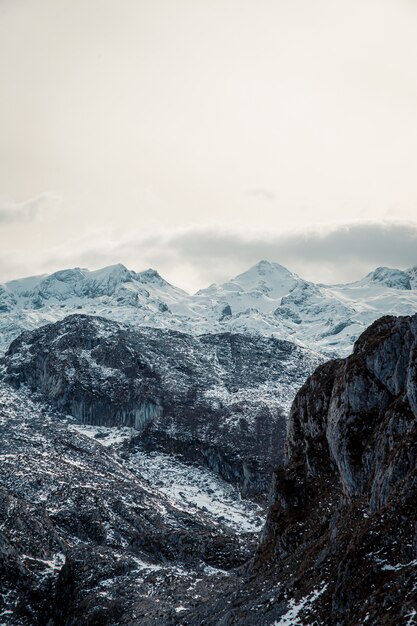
104	524
196	460
265	300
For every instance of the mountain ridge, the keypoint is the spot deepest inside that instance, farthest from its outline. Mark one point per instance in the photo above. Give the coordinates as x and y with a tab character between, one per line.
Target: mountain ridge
267	299
220	399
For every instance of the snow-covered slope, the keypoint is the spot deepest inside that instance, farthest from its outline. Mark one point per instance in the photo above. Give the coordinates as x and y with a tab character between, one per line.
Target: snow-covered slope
115	292
266	300
270	300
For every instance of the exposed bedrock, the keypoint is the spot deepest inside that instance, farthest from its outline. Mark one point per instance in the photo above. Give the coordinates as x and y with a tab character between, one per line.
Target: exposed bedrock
215	399
339	546
344	506
353	417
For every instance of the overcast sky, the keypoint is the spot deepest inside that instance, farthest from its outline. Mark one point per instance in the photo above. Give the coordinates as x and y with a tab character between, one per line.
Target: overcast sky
197	136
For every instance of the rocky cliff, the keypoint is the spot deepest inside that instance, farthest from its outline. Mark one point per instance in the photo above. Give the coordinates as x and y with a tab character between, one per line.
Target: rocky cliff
88	537
218	400
340	541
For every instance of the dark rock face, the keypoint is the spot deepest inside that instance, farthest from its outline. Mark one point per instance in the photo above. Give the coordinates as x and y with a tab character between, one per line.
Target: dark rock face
86	539
214	399
75	365
340	541
351	452
353	416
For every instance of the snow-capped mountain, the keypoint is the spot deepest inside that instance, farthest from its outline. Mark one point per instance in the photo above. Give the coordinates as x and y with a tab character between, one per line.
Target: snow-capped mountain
266	300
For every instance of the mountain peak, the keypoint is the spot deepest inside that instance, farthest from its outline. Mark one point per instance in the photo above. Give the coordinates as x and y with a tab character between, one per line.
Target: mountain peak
262	272
270	266
115	272
390	277
150	275
68	275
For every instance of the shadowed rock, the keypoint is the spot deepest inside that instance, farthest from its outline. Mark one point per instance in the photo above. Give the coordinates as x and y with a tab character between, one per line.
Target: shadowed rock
340	542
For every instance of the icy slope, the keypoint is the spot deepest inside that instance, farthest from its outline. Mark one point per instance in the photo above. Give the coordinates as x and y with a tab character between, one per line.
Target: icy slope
113	291
265	300
271	300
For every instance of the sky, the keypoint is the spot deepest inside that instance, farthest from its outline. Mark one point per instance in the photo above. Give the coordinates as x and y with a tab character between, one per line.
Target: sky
199	136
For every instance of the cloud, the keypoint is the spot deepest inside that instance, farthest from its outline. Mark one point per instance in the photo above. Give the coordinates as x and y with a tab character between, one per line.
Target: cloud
27	211
333	254
196	257
265	194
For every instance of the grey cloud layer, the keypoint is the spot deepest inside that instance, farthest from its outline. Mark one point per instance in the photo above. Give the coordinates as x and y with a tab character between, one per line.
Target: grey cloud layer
196	257
343	253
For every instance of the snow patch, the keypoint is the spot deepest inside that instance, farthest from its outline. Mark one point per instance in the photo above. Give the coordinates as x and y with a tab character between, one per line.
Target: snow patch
105	435
295	608
194	488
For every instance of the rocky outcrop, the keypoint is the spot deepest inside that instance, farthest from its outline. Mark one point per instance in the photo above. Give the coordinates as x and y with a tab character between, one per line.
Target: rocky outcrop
344	510
218	400
353	417
340	541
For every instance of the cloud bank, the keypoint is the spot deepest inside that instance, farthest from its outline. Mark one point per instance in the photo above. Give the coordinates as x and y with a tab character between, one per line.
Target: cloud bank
196	257
342	253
